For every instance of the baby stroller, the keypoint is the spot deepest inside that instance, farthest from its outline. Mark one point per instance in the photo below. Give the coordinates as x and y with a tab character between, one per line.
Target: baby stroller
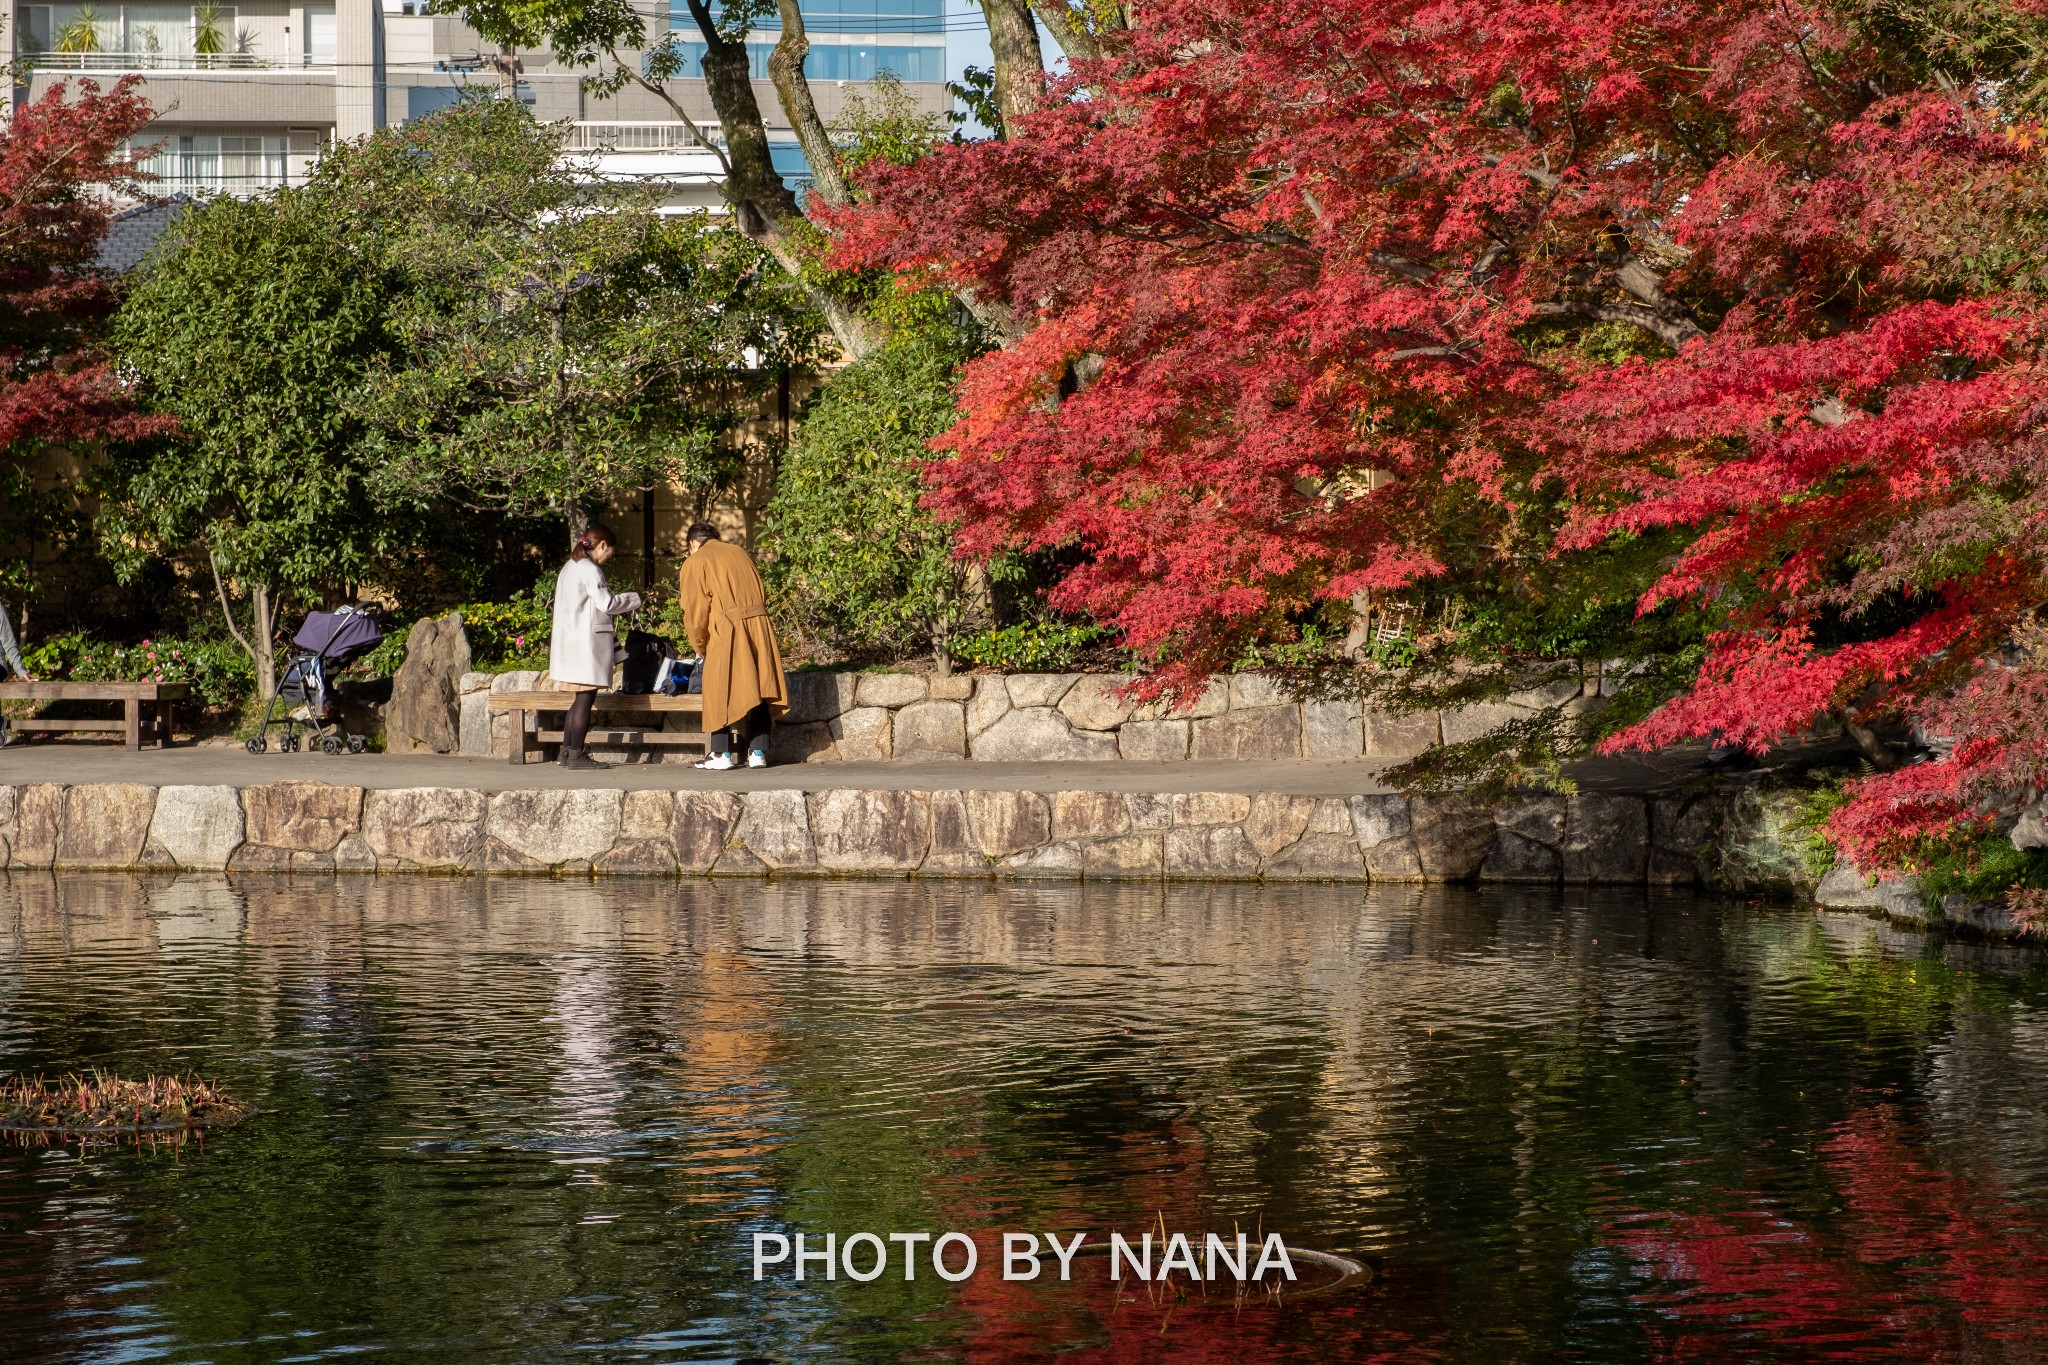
328	640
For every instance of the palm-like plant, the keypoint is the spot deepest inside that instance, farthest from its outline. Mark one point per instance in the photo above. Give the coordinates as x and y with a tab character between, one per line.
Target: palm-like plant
81	32
209	30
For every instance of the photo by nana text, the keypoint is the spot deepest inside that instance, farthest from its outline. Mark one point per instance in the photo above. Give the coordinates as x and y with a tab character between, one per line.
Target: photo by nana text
955	1256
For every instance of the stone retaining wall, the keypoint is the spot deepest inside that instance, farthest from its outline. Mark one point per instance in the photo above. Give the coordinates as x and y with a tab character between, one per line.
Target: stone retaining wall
1058	717
316	827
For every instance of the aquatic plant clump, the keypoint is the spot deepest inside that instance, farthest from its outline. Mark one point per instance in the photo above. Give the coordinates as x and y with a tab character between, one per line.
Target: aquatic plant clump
99	1104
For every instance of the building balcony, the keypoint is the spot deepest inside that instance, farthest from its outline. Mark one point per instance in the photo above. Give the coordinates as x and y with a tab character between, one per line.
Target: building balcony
120	62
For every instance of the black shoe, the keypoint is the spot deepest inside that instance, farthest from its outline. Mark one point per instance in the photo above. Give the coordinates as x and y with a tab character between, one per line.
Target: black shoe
578	761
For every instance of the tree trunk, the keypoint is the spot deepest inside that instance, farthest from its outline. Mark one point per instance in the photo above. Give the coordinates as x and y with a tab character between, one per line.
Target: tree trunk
766	209
1070	28
263	611
793	87
1020	62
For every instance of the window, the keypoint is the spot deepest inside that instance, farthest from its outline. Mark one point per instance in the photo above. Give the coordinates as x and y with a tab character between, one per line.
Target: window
32	29
322	41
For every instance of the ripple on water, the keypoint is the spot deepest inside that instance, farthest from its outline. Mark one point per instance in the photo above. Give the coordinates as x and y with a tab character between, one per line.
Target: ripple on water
512	1120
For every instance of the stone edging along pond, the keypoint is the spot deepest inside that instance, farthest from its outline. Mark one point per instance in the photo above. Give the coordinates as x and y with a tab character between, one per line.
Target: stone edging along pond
1732	840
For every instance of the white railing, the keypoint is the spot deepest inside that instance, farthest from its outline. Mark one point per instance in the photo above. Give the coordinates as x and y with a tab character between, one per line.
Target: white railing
240	174
175	61
633	137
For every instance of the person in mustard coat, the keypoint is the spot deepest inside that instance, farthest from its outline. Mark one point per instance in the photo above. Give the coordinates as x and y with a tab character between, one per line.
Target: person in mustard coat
725	613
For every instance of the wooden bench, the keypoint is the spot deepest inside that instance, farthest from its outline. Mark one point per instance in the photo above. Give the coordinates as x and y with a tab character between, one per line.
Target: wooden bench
145	707
527	708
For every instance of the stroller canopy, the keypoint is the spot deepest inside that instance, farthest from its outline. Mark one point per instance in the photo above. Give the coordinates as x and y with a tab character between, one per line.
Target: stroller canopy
340	635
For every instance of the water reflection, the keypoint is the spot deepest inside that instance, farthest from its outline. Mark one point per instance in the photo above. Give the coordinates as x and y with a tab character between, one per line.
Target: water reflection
513	1119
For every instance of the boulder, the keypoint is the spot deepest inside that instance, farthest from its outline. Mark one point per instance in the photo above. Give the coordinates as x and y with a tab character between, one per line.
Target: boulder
1089	815
930	730
1039	689
1149	810
1214	700
810	742
352	854
2031	829
1518	859
1760	846
775	827
307	816
1463	723
1092	702
1453	835
1400	736
1249	690
702	827
1682	834
638	858
1219	851
951	687
1154	741
473	724
1606	840
1129	855
1210	808
427	827
818	696
1006	823
862	735
1277	821
953	851
1331	729
551	828
106	824
200	827
1268	732
1317	857
38	820
1039	735
889	689
1844	888
1052	860
6	813
426	708
870	831
990	704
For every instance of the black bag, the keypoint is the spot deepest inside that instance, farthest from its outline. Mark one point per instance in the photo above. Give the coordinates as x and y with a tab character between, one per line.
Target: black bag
645	654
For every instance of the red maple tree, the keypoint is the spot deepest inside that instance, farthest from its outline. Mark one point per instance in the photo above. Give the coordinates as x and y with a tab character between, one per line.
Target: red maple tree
1291	285
63	159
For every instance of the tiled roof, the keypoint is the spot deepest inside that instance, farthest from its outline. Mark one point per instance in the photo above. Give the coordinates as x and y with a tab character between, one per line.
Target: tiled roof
135	230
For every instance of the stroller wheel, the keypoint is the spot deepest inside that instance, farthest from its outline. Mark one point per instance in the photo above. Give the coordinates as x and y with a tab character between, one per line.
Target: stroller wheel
289	744
330	745
257	745
355	744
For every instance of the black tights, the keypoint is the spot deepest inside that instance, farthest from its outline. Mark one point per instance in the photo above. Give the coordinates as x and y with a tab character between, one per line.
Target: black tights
577	725
752	726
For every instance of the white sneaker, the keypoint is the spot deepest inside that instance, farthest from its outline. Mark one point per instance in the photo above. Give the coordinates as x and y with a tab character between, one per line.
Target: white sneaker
719	763
756	758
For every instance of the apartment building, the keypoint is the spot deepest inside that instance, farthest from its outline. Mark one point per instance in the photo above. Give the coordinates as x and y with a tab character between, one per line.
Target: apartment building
249	93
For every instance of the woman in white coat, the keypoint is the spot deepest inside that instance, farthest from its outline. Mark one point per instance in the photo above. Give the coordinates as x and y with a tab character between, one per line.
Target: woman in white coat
584	645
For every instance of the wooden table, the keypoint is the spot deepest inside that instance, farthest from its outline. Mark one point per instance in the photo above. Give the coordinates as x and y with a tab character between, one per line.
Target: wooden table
145	707
649	708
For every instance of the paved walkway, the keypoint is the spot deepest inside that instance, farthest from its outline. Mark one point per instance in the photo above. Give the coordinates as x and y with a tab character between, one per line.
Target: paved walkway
72	762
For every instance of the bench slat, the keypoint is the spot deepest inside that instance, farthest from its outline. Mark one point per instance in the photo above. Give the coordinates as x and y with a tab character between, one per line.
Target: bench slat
606	701
94	691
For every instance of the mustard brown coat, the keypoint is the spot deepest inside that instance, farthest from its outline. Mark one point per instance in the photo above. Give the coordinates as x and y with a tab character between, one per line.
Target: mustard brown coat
726	615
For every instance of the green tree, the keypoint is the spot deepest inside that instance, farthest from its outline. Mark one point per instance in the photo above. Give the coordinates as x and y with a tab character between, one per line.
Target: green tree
253	324
849	551
558	341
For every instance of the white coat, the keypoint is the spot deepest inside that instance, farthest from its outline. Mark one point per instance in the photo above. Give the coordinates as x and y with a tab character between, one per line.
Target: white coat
584	645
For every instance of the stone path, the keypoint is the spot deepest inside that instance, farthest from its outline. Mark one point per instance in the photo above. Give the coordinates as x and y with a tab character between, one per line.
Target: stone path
72	764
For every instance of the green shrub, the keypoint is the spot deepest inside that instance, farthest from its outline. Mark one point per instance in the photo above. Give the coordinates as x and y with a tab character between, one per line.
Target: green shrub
219	672
1033	647
503	636
849	555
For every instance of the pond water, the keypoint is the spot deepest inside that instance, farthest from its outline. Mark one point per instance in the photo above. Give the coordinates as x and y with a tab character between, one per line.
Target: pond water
537	1121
